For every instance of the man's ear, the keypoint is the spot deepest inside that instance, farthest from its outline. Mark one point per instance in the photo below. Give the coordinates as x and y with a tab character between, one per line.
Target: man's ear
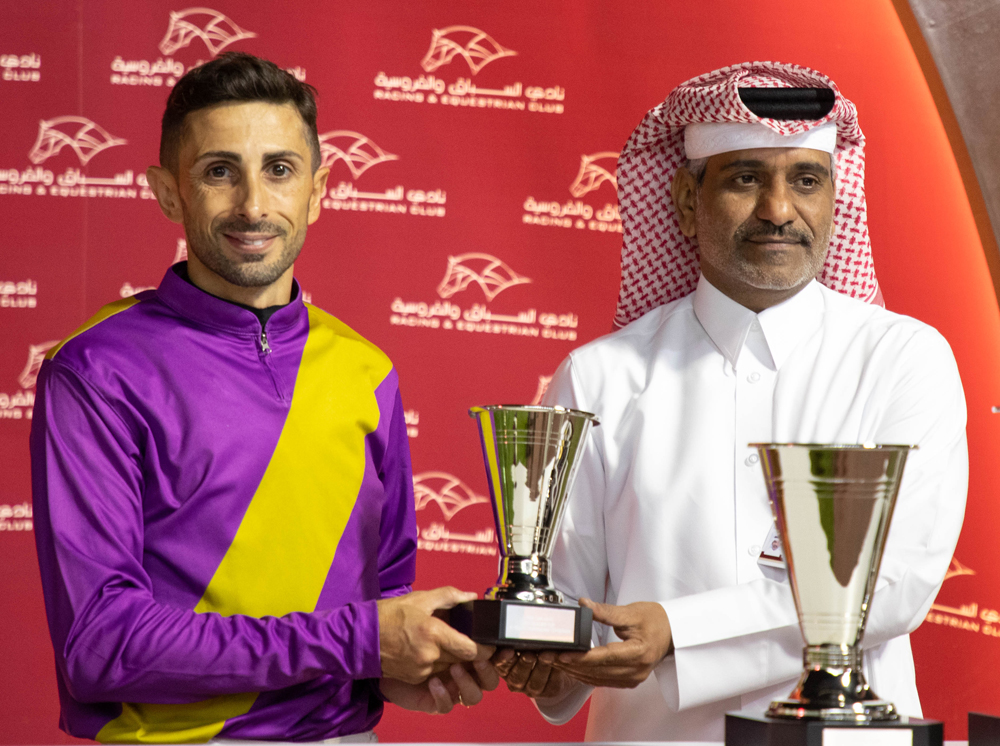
684	193
164	186
319	189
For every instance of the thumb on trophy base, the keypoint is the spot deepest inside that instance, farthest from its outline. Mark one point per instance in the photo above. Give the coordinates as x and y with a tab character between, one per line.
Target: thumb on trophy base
413	644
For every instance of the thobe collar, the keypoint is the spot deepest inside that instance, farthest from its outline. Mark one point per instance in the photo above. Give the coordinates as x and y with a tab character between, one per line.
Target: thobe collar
783	326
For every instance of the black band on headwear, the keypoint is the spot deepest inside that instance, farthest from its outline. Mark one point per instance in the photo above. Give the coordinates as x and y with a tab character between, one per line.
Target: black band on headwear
788	103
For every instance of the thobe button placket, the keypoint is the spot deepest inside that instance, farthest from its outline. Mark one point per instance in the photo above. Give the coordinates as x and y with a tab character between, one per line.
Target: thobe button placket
754	414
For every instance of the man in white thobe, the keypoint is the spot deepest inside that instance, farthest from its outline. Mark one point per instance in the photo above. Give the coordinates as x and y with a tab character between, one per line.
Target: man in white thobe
729	339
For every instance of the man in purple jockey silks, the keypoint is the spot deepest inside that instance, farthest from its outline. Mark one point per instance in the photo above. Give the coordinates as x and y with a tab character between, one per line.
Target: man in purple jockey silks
221	474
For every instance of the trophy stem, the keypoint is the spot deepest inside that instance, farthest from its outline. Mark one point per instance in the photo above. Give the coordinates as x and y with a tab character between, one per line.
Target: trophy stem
525	579
833	687
832	657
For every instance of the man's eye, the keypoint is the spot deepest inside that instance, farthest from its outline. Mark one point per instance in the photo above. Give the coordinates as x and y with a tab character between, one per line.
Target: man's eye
218	172
809	181
280	169
746	179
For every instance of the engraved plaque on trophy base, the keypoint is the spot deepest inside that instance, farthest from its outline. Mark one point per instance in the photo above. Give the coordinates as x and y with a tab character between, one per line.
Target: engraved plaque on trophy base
746	728
984	730
524	625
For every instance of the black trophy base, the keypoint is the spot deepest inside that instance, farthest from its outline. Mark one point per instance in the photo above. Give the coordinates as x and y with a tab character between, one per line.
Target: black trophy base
984	730
755	729
523	625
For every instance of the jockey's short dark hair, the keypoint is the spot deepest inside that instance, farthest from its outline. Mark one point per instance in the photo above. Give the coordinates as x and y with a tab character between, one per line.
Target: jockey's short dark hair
234	77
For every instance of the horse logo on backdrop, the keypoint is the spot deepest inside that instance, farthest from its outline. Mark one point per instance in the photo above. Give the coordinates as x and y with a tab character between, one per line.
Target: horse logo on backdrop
358	152
596	170
956	568
592	174
36	354
477	47
87	139
211	26
449	492
492	275
973	616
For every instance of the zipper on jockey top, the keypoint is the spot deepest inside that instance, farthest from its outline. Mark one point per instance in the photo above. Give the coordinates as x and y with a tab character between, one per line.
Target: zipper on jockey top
265	359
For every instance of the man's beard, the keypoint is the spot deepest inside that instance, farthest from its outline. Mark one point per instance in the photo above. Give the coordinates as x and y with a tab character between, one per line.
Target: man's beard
251	270
773	277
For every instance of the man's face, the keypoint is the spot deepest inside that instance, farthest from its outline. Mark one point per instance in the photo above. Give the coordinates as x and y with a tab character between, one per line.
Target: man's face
762	219
247	191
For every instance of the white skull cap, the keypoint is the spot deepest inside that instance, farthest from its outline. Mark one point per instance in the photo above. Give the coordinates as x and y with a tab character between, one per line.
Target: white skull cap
702	140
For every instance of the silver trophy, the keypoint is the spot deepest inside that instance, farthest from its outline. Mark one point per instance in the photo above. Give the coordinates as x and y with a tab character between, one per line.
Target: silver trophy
832	505
531	456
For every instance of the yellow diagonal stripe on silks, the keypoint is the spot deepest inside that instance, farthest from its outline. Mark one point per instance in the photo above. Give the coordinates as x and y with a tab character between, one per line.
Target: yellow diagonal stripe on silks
191	723
285	544
105	313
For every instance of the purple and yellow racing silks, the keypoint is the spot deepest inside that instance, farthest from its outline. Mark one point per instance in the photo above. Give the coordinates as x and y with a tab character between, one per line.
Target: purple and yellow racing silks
217	511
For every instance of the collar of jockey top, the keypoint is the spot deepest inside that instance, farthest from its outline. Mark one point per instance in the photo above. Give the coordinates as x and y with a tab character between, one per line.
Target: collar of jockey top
660	263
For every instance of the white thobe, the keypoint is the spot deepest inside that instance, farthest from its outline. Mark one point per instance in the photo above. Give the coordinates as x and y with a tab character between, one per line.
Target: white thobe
670	503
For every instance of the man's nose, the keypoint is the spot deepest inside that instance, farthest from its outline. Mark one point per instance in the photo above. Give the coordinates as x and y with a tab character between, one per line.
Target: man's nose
776	204
251	199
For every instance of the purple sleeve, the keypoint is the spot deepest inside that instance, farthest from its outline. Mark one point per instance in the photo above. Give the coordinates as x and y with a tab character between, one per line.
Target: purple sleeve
113	641
397	556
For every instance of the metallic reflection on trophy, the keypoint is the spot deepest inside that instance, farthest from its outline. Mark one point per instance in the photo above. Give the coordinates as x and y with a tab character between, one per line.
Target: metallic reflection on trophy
832	505
531	456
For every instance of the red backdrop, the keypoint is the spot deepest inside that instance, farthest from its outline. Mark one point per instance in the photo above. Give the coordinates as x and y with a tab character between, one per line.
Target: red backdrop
470	230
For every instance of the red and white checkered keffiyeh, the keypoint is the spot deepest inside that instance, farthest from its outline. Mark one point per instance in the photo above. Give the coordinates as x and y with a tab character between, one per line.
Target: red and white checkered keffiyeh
659	263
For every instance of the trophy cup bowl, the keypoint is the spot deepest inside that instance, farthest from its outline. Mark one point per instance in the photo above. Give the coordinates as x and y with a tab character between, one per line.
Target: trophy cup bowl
532	456
832	505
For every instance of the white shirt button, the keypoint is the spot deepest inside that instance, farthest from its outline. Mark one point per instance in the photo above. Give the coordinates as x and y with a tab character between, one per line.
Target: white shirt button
753	377
754	325
754	550
751	459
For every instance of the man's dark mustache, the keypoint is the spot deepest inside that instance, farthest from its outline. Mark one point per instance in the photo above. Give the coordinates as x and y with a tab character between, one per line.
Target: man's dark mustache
242	226
770	230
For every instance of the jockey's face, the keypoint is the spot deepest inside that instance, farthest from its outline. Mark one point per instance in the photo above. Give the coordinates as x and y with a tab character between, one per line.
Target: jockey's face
762	220
245	192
